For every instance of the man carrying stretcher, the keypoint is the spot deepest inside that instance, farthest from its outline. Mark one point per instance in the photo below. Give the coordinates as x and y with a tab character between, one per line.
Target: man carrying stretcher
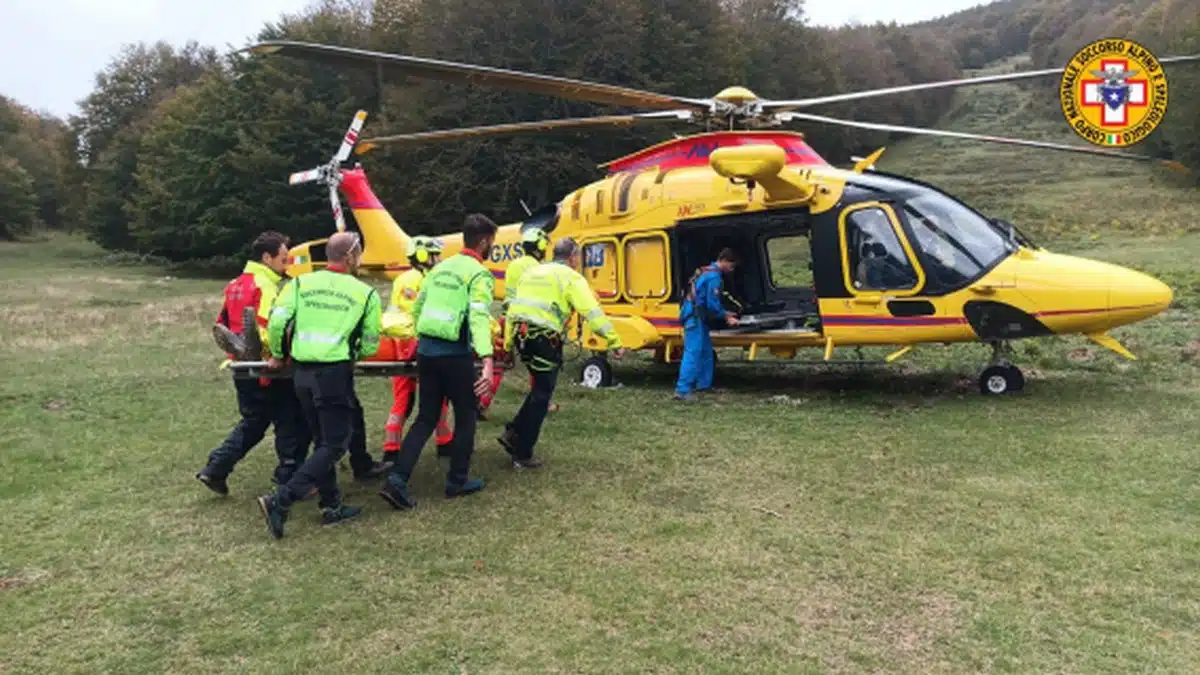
398	323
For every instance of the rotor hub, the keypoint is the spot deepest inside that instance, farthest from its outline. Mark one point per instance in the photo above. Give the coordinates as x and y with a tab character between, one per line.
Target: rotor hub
737	96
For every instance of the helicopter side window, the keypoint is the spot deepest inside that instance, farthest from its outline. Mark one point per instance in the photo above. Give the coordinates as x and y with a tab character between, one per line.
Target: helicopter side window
877	259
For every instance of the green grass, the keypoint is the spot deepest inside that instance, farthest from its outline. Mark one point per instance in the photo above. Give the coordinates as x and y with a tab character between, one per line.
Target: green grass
875	521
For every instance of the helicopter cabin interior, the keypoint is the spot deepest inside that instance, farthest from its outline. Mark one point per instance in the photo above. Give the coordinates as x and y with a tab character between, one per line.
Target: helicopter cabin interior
771	288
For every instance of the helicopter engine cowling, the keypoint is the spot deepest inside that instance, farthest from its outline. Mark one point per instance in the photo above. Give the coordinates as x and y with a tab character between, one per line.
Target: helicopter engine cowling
763	165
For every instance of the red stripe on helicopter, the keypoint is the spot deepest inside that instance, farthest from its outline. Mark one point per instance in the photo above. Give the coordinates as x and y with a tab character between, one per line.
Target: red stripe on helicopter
359	194
852	320
695	150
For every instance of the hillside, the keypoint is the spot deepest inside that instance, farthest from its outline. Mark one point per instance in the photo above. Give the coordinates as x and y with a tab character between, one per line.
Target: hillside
1046	193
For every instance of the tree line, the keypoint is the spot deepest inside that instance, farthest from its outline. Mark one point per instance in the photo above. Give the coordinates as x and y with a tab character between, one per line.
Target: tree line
184	152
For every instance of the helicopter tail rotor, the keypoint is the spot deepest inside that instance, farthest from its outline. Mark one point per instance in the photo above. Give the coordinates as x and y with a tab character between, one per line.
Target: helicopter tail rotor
331	173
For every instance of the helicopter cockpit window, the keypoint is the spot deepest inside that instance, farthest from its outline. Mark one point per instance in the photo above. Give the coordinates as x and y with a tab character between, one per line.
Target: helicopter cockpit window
958	243
877	259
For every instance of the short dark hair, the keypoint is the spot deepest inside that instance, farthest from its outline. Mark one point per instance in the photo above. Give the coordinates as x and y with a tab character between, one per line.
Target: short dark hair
268	242
476	228
727	254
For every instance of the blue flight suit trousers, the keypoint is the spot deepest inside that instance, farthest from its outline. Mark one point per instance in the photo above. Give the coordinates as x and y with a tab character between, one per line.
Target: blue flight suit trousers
696	369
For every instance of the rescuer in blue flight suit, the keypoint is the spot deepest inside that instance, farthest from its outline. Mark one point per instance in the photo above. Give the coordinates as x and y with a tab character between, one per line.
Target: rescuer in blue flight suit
701	308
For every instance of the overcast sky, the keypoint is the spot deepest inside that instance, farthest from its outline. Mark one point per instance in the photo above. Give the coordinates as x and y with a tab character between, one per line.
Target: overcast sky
50	50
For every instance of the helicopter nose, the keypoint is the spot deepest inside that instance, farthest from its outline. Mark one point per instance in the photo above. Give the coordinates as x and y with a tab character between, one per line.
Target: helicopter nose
1133	296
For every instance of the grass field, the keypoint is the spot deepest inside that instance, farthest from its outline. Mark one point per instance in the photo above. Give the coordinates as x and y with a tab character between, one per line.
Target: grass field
887	521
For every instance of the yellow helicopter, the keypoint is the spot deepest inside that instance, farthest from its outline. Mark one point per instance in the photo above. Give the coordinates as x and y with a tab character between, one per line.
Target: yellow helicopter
890	260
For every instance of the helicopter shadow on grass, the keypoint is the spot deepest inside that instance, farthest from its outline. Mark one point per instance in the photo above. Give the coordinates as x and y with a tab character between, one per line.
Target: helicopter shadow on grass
768	379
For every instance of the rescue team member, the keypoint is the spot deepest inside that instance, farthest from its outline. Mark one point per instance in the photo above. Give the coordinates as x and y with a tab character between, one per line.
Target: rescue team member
534	244
398	322
262	402
335	320
452	319
701	308
536	322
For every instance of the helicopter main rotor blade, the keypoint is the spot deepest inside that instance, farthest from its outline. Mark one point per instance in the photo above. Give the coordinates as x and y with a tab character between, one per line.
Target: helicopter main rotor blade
789	116
463	73
523	127
783	106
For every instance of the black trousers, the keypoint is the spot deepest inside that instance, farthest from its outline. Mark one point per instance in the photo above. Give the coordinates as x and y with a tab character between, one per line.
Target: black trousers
441	378
326	393
542	356
360	460
262	407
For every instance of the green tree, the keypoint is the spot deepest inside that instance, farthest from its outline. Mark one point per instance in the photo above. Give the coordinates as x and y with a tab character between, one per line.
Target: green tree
105	135
213	162
18	204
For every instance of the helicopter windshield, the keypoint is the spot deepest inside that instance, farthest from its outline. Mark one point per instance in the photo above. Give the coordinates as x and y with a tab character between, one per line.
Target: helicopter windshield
959	243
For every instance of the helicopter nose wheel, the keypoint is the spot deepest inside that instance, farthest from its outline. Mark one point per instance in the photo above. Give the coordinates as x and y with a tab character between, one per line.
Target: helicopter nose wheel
1001	376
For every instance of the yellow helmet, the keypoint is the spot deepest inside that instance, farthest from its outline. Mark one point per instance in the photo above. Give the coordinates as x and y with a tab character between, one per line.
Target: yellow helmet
418	249
536	237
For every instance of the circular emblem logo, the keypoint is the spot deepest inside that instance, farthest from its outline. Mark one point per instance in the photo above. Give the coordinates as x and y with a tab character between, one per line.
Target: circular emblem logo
1113	92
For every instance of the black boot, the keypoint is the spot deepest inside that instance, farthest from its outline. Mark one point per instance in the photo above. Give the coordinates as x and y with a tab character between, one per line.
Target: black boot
215	483
274	515
337	514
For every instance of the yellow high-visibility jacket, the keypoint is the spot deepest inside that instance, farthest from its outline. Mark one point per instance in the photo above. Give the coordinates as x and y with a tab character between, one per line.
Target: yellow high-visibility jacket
398	320
546	298
512	275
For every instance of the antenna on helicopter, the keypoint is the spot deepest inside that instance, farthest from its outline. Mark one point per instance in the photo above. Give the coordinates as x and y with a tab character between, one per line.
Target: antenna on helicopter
331	173
526	207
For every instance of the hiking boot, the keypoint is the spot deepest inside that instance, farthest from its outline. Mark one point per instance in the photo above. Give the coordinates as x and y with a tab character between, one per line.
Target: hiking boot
686	398
229	341
253	350
274	515
468	488
377	469
395	492
528	463
508	439
214	483
334	515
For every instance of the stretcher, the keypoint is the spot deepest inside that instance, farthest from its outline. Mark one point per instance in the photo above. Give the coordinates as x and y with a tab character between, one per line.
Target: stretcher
382	364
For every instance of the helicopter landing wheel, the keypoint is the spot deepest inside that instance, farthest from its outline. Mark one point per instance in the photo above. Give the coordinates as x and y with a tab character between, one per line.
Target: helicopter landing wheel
1002	379
596	372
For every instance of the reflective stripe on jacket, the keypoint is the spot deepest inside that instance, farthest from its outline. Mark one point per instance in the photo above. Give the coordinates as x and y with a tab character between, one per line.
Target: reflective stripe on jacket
333	316
549	293
455	301
398	318
513	273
